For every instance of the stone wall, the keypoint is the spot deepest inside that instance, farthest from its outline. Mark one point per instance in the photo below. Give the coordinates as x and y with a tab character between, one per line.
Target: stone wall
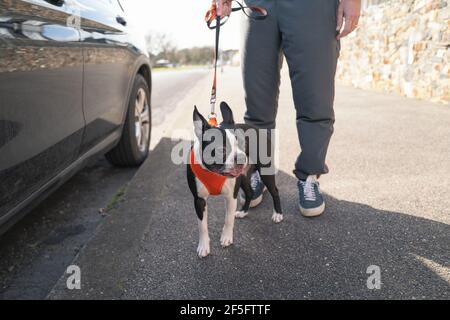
401	46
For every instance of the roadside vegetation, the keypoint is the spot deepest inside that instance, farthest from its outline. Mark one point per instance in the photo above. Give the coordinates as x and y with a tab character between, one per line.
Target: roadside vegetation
165	55
118	197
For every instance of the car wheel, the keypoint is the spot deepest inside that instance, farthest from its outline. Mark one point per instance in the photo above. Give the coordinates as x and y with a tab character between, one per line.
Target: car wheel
134	144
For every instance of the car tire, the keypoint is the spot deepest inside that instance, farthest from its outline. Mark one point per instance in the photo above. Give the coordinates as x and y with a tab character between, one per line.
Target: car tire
133	147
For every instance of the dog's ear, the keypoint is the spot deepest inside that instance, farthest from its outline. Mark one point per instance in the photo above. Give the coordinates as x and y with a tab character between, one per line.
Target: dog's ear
200	124
227	114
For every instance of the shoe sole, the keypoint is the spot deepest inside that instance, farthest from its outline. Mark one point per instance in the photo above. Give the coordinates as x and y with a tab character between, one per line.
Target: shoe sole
255	202
314	212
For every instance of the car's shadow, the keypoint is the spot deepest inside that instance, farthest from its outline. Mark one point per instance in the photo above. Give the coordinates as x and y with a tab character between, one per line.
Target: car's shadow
146	249
35	252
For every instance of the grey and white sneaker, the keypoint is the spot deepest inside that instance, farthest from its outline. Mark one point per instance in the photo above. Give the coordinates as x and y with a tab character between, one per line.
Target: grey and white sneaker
258	188
311	199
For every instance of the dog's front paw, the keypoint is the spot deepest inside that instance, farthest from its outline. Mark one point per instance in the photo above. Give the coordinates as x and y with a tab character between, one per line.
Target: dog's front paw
241	214
277	217
227	239
203	249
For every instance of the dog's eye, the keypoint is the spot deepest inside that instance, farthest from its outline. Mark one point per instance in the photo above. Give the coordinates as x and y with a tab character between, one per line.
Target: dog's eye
241	158
240	140
240	137
214	156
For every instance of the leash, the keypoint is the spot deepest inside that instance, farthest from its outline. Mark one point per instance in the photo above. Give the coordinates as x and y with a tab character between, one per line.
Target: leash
255	13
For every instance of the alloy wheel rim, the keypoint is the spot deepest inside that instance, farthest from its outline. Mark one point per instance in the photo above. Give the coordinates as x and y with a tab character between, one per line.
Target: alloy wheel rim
142	120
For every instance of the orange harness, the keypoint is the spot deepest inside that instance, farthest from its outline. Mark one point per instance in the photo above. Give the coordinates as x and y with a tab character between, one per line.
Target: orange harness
212	181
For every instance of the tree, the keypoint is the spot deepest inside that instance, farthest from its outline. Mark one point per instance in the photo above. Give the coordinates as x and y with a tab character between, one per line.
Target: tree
161	46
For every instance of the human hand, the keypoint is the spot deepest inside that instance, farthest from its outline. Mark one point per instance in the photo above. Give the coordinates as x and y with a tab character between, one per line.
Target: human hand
349	12
224	7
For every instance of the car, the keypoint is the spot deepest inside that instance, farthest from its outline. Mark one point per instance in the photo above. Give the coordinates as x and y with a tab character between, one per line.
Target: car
75	83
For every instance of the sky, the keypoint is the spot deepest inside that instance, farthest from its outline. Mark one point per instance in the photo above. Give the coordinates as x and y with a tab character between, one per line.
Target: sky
182	21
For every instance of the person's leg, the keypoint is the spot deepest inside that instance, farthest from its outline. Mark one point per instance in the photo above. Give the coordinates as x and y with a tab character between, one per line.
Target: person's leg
261	64
309	42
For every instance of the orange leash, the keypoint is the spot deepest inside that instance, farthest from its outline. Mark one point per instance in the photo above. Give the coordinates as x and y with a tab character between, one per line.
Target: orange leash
256	13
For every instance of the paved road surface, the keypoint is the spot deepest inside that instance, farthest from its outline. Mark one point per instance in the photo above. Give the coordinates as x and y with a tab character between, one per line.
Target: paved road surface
169	88
387	205
36	251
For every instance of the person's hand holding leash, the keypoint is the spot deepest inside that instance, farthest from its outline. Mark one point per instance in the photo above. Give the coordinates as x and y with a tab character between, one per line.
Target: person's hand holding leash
224	8
349	12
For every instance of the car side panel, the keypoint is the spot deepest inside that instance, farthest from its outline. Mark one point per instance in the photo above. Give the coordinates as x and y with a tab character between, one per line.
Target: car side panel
41	116
109	68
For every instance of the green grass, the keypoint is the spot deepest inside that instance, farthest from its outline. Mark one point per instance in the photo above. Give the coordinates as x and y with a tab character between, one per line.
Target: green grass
118	197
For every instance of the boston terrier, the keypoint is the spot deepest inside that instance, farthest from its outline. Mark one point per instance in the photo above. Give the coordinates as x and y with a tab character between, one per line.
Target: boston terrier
220	163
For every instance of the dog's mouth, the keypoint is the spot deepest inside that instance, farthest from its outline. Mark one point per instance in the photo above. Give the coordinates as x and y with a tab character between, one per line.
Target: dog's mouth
234	172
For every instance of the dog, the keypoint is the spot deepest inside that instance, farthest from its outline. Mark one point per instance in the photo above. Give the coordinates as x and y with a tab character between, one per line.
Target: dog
220	163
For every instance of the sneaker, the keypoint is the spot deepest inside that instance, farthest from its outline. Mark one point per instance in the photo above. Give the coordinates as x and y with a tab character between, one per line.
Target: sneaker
311	199
258	188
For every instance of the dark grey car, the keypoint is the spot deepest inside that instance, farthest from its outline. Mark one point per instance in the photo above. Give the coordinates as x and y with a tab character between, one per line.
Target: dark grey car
74	83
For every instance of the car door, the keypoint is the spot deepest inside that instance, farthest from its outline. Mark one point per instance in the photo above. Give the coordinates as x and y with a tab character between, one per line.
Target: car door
108	68
41	116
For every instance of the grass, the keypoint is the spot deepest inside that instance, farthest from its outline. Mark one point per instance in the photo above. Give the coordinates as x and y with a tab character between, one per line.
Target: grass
117	198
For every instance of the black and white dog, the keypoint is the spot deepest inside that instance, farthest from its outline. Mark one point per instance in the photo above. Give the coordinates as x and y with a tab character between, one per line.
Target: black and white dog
220	163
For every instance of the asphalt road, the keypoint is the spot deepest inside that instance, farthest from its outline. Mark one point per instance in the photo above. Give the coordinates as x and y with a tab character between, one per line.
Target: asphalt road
387	206
169	88
36	251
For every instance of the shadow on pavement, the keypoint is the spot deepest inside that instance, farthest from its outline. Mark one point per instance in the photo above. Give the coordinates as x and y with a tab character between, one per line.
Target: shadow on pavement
146	249
326	257
36	251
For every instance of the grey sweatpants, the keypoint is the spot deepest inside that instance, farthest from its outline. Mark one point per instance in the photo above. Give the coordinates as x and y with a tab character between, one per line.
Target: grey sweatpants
305	32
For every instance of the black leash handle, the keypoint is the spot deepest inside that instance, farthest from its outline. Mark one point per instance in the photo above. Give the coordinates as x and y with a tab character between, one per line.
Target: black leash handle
256	13
259	13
